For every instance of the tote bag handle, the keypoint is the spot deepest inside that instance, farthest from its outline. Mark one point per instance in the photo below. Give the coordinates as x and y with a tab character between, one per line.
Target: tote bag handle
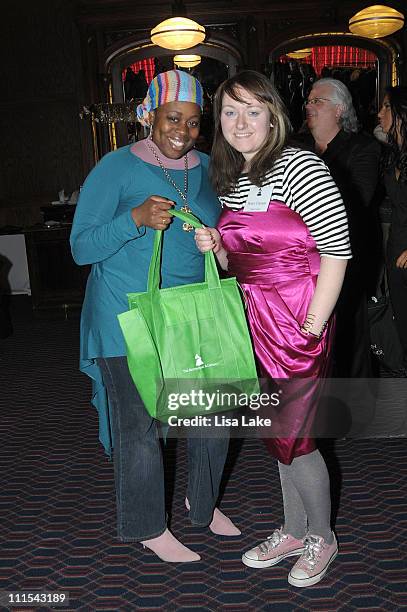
211	270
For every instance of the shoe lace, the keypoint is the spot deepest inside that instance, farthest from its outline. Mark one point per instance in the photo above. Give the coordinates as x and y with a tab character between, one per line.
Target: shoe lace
272	541
313	547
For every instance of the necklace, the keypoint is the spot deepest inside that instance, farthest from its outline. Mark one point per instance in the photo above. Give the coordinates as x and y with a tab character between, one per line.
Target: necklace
187	227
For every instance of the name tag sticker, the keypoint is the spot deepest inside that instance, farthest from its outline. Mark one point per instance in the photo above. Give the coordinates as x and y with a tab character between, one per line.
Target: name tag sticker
258	198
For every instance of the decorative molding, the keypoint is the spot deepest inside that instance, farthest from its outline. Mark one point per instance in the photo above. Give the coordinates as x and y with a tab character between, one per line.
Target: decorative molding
112	37
228	29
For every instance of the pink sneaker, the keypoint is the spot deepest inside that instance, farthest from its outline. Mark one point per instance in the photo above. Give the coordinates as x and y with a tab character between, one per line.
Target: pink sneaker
312	566
278	546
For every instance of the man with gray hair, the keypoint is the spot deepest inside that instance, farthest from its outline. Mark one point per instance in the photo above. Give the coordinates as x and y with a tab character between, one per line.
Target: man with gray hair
353	160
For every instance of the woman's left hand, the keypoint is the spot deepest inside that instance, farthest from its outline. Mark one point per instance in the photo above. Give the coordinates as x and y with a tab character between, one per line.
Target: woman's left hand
208	239
401	261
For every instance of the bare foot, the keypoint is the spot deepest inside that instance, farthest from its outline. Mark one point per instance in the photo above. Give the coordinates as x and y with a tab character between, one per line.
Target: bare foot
169	549
221	524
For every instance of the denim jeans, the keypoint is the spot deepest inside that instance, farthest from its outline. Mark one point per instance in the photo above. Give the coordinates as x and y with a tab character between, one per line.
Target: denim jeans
138	463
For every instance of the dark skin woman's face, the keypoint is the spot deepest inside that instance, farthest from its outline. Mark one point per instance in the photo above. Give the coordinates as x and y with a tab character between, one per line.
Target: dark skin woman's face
176	127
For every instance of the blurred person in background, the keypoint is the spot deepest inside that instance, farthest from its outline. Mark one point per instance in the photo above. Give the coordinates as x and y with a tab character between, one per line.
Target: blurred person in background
393	121
353	160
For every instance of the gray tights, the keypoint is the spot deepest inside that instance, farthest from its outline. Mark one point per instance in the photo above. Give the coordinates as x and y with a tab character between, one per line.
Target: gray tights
306	496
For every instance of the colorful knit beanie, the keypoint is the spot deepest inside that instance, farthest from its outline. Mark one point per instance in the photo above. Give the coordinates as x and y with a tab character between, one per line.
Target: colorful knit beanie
171	86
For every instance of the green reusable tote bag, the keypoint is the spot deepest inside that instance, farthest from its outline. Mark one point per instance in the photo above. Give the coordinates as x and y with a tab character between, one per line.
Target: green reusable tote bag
189	350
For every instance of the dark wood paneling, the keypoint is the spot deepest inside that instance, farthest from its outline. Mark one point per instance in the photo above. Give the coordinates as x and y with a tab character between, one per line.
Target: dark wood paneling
37	59
40	142
57	283
41	148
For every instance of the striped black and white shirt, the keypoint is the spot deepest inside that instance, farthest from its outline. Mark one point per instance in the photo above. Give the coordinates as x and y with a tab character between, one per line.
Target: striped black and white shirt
302	181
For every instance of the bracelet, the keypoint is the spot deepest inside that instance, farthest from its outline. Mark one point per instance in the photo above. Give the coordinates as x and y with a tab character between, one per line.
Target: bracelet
308	333
308	324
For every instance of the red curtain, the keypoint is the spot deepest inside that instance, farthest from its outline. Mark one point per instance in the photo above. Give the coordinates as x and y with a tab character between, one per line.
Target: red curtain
147	65
337	56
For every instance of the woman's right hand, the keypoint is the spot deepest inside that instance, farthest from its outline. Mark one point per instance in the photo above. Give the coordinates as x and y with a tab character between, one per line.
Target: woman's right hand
153	213
208	239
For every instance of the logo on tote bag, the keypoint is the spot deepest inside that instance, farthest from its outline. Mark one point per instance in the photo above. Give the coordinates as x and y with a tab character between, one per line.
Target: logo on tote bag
199	365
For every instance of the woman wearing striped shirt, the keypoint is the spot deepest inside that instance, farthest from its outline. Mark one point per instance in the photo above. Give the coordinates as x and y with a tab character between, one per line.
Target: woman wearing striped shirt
284	234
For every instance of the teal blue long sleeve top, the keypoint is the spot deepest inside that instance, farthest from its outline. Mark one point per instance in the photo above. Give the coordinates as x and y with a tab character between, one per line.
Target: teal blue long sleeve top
105	236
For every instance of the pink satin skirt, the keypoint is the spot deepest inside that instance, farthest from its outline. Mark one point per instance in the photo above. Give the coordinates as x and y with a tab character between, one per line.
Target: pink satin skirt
276	262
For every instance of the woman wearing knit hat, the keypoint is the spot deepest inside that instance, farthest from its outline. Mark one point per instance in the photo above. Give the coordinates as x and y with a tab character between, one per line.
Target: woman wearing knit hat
124	199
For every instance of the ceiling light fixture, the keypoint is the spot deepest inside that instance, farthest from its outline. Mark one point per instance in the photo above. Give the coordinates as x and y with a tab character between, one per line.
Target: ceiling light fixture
187	61
376	21
300	53
178	32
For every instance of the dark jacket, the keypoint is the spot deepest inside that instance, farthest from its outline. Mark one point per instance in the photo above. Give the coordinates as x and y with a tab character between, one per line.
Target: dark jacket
397	193
353	160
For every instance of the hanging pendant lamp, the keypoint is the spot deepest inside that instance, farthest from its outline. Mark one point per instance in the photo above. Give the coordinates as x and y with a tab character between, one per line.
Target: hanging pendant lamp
376	21
300	54
178	33
187	61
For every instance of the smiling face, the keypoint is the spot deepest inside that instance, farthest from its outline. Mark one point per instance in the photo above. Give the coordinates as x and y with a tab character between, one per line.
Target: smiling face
176	127
245	123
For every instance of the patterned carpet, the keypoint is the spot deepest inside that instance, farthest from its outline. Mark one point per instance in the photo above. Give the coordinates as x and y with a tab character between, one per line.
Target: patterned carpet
57	505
